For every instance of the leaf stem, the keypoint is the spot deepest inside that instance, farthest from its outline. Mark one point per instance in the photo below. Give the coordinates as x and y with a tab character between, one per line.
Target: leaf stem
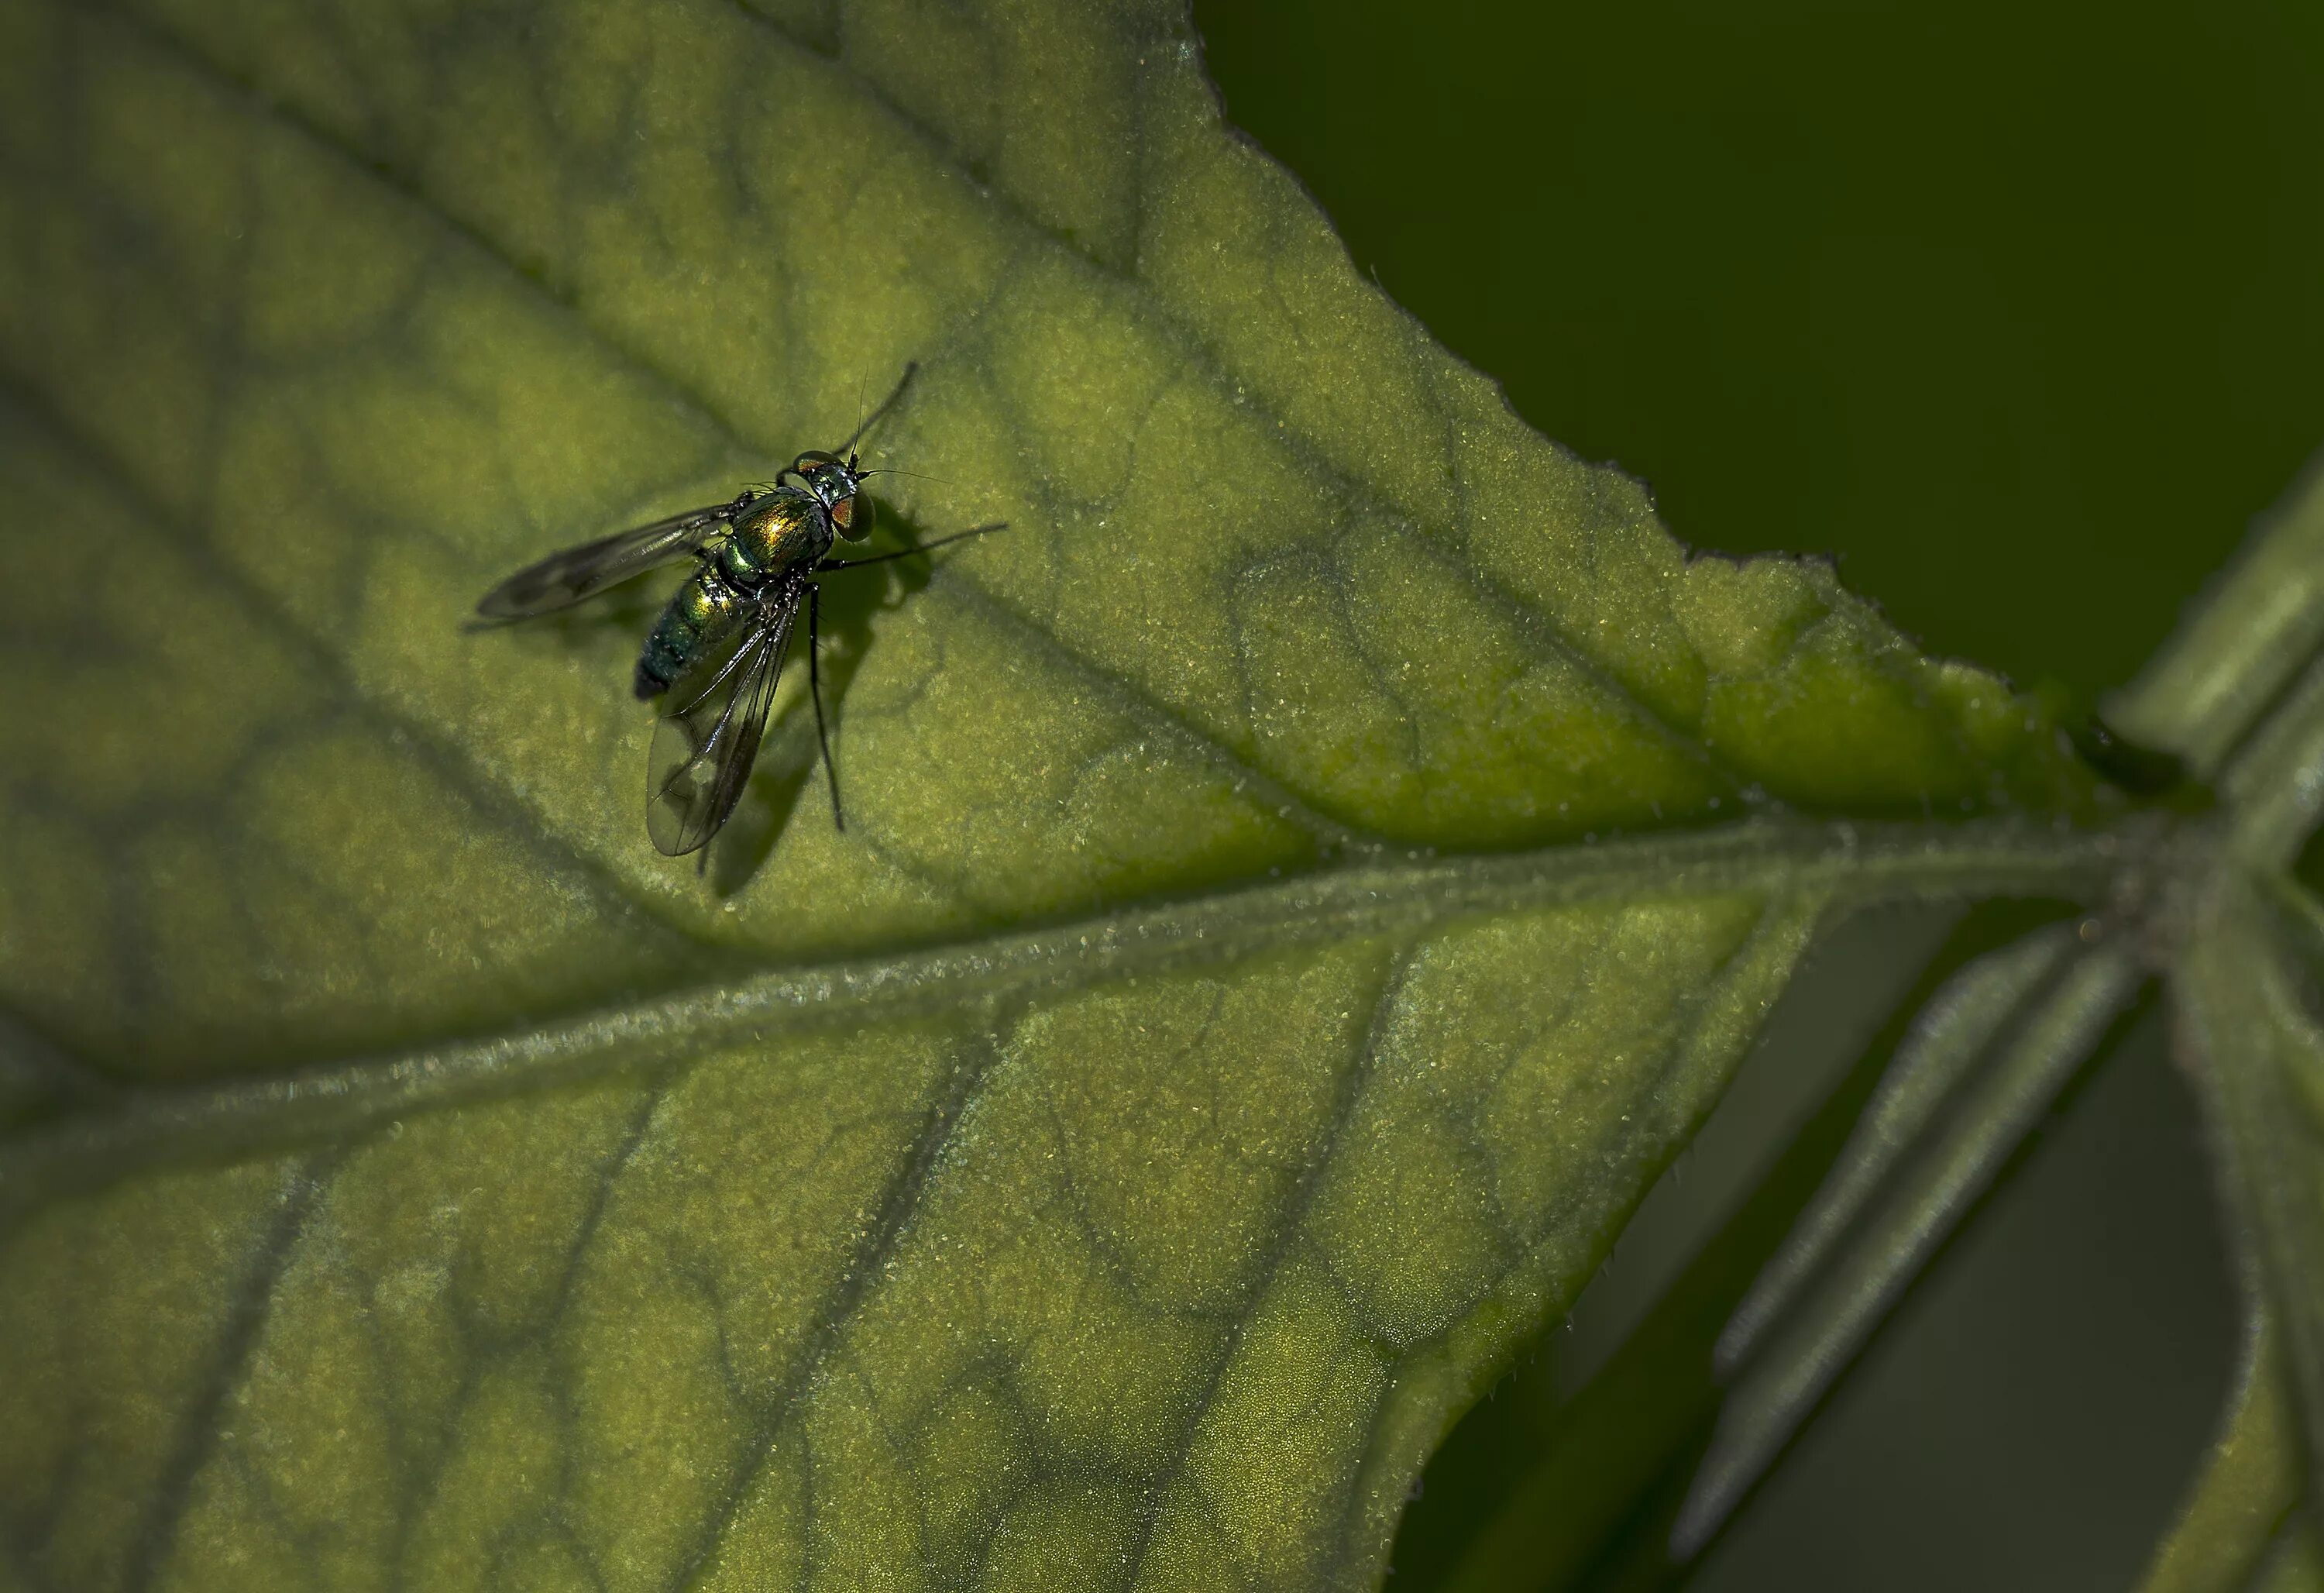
2241	1020
2274	784
1831	1323
2212	681
1948	1039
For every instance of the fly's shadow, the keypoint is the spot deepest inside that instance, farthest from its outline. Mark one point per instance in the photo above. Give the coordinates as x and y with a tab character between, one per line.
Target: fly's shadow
786	769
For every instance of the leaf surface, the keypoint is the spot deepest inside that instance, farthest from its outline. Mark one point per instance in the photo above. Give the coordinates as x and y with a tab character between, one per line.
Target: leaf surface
1229	1023
2240	1507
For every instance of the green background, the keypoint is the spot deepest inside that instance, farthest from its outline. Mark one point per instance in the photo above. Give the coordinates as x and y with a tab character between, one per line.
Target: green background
2012	311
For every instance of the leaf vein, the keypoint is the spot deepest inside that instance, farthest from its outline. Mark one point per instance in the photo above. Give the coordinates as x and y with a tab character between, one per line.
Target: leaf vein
1290	1237
898	1204
442	757
199	1430
1360	495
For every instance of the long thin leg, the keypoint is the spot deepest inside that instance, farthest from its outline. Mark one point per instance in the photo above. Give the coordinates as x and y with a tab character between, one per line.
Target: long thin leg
922	547
814	689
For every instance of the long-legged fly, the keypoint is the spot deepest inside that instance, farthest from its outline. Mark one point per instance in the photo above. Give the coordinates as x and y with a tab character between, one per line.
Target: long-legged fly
715	653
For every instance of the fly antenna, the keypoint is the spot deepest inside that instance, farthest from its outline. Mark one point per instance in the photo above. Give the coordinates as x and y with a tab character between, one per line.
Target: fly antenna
877	415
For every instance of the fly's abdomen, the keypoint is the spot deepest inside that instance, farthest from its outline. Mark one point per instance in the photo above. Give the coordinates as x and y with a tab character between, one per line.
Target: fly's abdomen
701	613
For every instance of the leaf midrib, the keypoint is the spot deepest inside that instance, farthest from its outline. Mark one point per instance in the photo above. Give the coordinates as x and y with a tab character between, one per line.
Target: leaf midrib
1847	865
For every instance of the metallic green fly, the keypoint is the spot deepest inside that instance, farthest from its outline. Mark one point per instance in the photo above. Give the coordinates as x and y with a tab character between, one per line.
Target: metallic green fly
717	650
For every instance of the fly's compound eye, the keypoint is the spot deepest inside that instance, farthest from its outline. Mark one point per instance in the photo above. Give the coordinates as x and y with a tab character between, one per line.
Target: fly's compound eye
852	516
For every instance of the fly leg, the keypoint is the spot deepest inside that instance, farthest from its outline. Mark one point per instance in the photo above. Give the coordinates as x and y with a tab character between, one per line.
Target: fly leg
825	565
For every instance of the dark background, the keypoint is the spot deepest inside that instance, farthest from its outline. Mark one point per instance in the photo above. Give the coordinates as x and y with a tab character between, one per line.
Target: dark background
2012	310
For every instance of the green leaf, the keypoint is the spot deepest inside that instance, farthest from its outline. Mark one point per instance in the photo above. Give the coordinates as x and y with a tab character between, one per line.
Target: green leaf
2242	1500
1302	881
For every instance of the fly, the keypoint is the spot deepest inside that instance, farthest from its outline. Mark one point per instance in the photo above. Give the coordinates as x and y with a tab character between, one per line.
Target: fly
715	655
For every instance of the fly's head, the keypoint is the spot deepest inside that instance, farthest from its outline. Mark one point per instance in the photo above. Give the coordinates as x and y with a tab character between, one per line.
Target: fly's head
836	485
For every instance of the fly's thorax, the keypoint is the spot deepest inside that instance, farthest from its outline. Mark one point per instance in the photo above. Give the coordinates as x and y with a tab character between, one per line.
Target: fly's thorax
700	614
786	529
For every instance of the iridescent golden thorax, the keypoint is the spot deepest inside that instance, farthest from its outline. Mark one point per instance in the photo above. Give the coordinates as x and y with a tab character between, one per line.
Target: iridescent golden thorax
784	530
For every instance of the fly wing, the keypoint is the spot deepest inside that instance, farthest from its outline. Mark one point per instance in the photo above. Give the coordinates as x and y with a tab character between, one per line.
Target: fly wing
565	578
708	734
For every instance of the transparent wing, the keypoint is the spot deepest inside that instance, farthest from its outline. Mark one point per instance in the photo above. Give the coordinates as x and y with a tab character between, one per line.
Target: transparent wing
565	578
710	726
